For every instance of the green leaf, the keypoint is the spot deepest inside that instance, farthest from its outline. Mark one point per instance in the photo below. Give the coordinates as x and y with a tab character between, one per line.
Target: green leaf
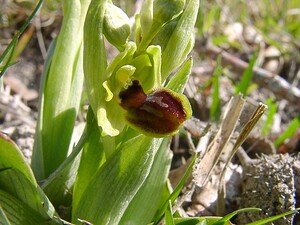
12	157
165	33
95	64
16	212
115	184
156	14
59	185
93	156
3	217
16	184
147	199
165	10
61	92
37	159
17	180
146	17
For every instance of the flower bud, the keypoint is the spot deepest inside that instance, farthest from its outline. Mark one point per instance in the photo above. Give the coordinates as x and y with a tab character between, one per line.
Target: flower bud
166	10
154	15
181	40
163	36
116	26
160	113
146	16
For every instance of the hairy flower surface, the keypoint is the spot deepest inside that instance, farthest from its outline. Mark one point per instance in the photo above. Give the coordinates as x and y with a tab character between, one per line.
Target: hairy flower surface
159	113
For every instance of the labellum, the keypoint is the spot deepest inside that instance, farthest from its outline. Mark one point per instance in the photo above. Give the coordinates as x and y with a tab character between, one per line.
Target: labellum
159	113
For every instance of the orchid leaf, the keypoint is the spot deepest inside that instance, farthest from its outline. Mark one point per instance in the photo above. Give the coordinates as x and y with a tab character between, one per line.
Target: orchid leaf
114	186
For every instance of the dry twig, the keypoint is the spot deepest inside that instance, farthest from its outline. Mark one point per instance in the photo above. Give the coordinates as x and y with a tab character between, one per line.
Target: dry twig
280	87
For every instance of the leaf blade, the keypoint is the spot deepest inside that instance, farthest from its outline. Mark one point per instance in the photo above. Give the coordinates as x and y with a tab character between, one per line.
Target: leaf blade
116	183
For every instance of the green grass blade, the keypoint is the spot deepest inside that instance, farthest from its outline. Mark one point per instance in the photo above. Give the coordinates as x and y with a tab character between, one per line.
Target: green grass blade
273	218
9	58
215	108
168	215
9	51
175	193
206	220
272	108
230	215
200	20
291	129
212	17
247	76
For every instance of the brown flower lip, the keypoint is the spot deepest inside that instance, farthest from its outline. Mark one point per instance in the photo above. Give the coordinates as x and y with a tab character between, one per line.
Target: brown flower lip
160	113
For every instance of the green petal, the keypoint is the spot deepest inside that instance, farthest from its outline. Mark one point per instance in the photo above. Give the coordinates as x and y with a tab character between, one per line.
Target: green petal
111	119
151	77
109	95
124	73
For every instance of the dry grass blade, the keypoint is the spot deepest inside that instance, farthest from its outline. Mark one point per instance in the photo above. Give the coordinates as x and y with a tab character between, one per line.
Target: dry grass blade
205	165
252	121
